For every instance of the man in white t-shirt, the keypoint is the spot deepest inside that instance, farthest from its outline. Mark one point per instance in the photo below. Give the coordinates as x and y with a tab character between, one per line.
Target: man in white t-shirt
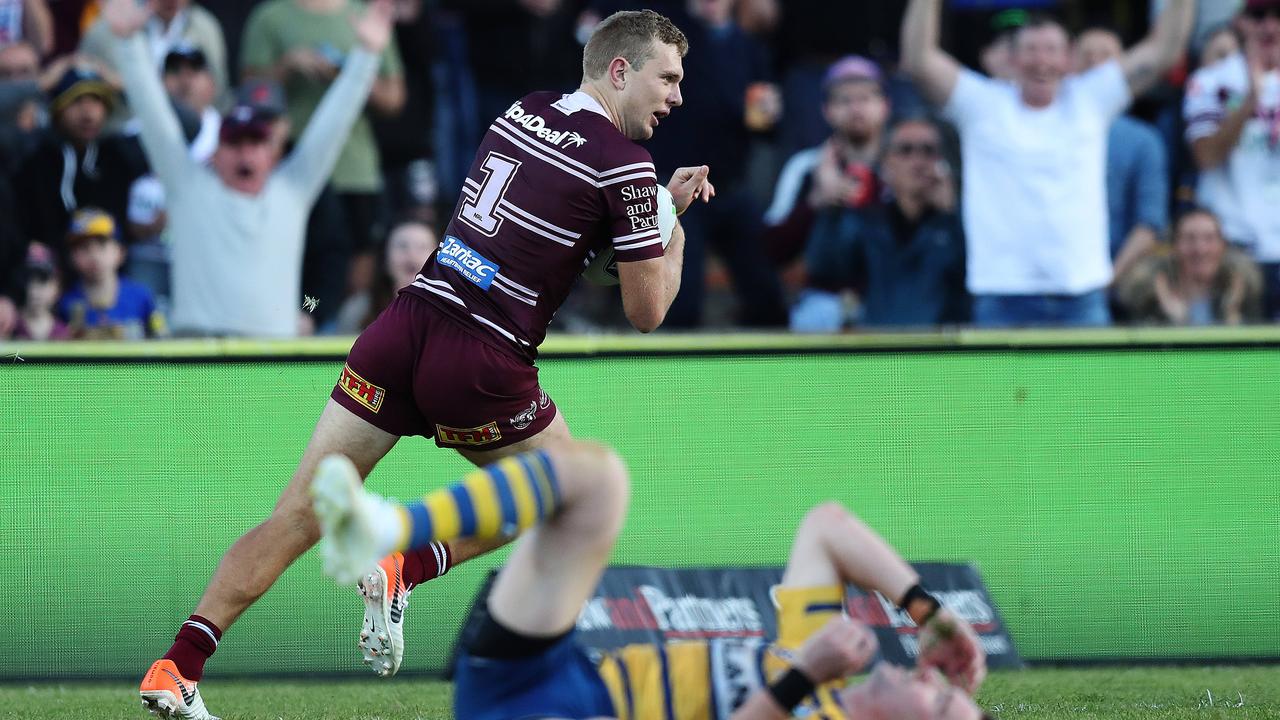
1232	112
1034	156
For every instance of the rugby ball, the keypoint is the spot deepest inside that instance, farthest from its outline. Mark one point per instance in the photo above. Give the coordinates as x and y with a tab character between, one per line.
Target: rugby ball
602	269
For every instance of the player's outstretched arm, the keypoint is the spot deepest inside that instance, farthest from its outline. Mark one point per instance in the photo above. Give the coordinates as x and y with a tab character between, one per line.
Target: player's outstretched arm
933	70
839	649
1145	62
575	493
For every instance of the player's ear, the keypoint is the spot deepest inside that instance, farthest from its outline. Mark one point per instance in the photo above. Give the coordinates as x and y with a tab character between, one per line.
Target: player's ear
618	69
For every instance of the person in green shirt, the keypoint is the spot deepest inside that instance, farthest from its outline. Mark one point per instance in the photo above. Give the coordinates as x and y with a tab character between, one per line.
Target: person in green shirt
302	45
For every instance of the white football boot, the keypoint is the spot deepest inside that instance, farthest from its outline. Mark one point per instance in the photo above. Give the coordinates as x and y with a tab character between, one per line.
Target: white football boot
385	599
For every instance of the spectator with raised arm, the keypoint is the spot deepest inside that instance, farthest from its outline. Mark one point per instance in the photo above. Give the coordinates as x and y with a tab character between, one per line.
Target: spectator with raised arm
192	90
237	225
1137	166
1034	155
1232	113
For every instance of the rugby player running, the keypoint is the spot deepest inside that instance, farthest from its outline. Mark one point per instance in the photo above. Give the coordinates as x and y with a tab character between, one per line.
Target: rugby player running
520	659
557	179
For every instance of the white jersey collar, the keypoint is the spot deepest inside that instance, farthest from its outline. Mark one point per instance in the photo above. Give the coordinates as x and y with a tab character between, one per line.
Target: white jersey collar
579	100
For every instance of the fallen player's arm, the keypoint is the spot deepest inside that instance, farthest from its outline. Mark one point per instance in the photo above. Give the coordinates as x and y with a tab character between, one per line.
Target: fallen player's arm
837	650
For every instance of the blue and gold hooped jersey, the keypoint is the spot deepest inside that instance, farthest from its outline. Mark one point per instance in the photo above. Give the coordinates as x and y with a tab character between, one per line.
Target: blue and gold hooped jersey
709	679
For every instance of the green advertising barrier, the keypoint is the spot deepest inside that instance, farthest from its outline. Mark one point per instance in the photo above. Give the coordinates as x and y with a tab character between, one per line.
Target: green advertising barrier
1117	491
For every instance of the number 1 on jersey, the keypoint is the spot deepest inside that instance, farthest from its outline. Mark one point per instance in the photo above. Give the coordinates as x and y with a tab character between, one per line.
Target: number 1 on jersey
479	211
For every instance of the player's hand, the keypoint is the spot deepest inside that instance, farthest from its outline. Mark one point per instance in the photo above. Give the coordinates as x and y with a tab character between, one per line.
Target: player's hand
373	27
839	649
126	17
688	184
949	644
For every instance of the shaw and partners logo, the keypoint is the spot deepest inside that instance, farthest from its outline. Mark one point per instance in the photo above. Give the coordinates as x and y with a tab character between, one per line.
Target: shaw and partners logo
686	616
473	266
536	125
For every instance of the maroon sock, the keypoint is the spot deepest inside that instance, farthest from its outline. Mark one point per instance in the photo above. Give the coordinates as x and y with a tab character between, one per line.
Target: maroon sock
197	639
425	563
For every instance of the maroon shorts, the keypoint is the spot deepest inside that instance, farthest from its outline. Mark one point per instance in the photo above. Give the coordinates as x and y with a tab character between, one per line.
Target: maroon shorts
416	371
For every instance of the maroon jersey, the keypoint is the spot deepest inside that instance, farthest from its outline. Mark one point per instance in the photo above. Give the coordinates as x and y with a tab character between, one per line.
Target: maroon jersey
553	183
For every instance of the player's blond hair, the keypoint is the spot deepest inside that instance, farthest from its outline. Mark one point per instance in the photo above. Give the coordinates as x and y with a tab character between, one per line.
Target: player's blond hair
629	34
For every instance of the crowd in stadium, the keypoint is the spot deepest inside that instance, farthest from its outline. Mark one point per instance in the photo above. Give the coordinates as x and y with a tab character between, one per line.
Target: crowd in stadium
864	178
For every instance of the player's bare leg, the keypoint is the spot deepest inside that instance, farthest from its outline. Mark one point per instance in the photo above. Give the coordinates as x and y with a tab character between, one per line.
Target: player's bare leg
572	495
556	566
253	563
386	589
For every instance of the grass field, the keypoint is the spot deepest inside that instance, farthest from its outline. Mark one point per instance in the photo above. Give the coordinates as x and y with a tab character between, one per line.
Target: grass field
1203	693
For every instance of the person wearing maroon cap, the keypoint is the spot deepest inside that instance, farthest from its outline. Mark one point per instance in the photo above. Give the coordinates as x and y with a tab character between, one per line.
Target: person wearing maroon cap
841	172
1232	114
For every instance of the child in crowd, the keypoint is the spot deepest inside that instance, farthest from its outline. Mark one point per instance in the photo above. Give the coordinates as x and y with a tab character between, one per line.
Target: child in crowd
37	321
104	306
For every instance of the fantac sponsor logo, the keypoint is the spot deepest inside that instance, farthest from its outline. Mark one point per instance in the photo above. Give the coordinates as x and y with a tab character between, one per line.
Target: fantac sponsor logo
876	611
687	616
536	125
482	435
361	390
472	265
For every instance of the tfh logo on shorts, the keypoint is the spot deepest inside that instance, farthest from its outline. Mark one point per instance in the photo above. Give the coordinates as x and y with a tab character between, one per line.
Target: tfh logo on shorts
524	418
361	390
536	125
482	435
473	266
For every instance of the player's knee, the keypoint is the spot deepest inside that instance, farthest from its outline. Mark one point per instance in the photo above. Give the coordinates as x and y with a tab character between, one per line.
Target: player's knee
594	476
823	518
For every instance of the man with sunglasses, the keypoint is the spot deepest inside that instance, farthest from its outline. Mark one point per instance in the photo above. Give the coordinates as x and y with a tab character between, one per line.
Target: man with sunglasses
1034	151
1232	113
903	254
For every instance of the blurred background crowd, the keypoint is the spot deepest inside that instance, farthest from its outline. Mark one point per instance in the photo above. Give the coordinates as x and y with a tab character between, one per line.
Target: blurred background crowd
843	202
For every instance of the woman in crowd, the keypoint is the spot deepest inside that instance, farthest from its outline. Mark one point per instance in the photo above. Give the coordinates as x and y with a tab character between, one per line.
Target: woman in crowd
1201	281
408	246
